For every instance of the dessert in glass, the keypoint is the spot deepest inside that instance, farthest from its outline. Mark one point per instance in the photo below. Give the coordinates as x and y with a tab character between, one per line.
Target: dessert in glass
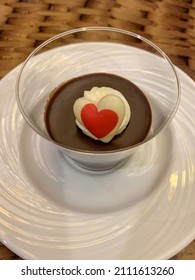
97	94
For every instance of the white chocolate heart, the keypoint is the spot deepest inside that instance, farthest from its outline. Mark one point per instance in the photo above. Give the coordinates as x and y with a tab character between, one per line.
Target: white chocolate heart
104	99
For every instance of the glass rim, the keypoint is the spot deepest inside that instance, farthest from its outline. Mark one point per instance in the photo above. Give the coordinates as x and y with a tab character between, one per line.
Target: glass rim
99	28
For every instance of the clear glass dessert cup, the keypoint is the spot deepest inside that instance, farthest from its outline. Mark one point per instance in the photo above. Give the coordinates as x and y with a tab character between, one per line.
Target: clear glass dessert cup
93	50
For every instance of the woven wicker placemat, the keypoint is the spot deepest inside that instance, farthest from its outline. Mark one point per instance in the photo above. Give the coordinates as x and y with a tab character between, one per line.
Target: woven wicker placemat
168	23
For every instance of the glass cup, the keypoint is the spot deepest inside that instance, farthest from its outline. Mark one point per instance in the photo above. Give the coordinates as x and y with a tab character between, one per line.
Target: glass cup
87	50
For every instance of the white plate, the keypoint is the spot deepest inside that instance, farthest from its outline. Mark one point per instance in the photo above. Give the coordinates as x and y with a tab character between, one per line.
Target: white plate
51	210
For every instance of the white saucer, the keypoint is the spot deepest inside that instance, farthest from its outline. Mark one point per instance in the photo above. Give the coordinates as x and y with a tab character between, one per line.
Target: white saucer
50	209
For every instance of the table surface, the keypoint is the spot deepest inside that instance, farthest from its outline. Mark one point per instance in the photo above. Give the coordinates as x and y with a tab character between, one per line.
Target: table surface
168	23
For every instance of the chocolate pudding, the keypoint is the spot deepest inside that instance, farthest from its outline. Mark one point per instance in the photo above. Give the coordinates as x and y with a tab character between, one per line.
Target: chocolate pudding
60	119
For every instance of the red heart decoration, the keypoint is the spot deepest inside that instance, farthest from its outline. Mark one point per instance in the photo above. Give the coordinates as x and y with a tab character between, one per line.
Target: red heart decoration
99	123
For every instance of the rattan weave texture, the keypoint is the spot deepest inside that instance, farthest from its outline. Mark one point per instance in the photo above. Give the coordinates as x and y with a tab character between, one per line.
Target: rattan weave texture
168	23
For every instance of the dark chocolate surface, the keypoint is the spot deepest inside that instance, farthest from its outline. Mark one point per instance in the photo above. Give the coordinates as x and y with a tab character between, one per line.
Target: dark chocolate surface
60	120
